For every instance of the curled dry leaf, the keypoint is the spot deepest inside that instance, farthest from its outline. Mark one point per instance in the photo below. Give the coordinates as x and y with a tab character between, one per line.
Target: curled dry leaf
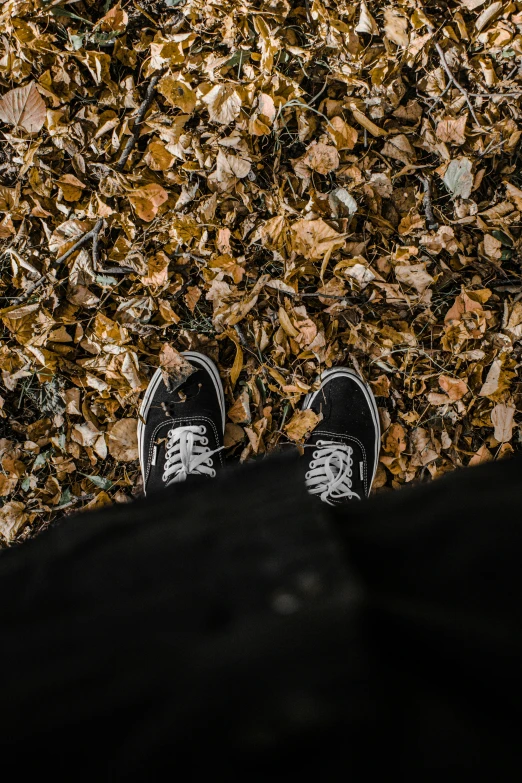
302	424
174	367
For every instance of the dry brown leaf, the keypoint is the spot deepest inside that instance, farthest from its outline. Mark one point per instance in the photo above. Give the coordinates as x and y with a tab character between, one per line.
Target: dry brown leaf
13	517
322	158
455	388
314	238
452	130
239	413
115	20
123	440
234	434
395	440
396	26
302	424
24	108
223	103
343	135
414	275
147	200
502	418
175	368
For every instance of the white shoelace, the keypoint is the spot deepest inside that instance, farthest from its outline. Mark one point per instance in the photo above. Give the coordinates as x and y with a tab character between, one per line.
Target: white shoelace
330	474
187	453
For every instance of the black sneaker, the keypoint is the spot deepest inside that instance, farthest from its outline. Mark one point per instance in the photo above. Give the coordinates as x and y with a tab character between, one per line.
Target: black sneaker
343	451
180	430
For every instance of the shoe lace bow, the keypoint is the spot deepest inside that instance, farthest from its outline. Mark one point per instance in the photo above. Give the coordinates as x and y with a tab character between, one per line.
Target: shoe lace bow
330	472
187	453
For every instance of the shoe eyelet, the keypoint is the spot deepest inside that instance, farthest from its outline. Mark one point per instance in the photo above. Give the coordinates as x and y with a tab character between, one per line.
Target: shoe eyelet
315	455
307	476
213	474
312	465
204	441
202	429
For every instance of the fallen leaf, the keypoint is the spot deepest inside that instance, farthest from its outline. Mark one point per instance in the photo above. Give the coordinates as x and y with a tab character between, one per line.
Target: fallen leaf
123	440
13	517
452	130
223	103
301	424
366	23
455	388
175	368
239	413
396	26
24	108
414	275
313	238
343	135
502	418
322	158
458	178
147	200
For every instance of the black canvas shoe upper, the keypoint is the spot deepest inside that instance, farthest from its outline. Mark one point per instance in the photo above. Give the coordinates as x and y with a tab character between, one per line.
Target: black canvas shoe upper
343	451
180	430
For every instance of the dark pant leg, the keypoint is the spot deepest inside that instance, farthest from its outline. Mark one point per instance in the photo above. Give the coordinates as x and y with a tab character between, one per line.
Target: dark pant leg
240	625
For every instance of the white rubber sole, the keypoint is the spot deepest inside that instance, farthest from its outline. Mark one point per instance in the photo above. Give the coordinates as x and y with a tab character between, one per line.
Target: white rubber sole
346	371
196	358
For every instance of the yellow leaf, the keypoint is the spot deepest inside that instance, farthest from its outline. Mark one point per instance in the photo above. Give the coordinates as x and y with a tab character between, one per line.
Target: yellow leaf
237	366
287	324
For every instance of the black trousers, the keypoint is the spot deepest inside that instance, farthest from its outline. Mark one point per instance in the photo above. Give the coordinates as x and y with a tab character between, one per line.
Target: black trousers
238	627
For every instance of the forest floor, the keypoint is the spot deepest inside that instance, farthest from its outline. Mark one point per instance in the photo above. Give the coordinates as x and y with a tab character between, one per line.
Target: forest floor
281	184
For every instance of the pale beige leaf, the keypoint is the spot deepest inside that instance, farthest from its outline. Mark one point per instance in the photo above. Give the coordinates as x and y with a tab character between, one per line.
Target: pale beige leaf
322	158
396	26
123	440
24	108
313	238
223	103
451	130
414	275
502	418
343	135
366	23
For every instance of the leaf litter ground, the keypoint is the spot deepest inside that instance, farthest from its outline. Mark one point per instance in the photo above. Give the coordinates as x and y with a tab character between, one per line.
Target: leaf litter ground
281	185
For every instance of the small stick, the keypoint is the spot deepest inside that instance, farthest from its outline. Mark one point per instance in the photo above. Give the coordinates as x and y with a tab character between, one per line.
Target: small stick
32	288
428	206
450	75
131	141
82	241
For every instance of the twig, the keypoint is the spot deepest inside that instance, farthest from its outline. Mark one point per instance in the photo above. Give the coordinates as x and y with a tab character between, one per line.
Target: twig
450	75
82	241
428	206
131	141
317	295
32	288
